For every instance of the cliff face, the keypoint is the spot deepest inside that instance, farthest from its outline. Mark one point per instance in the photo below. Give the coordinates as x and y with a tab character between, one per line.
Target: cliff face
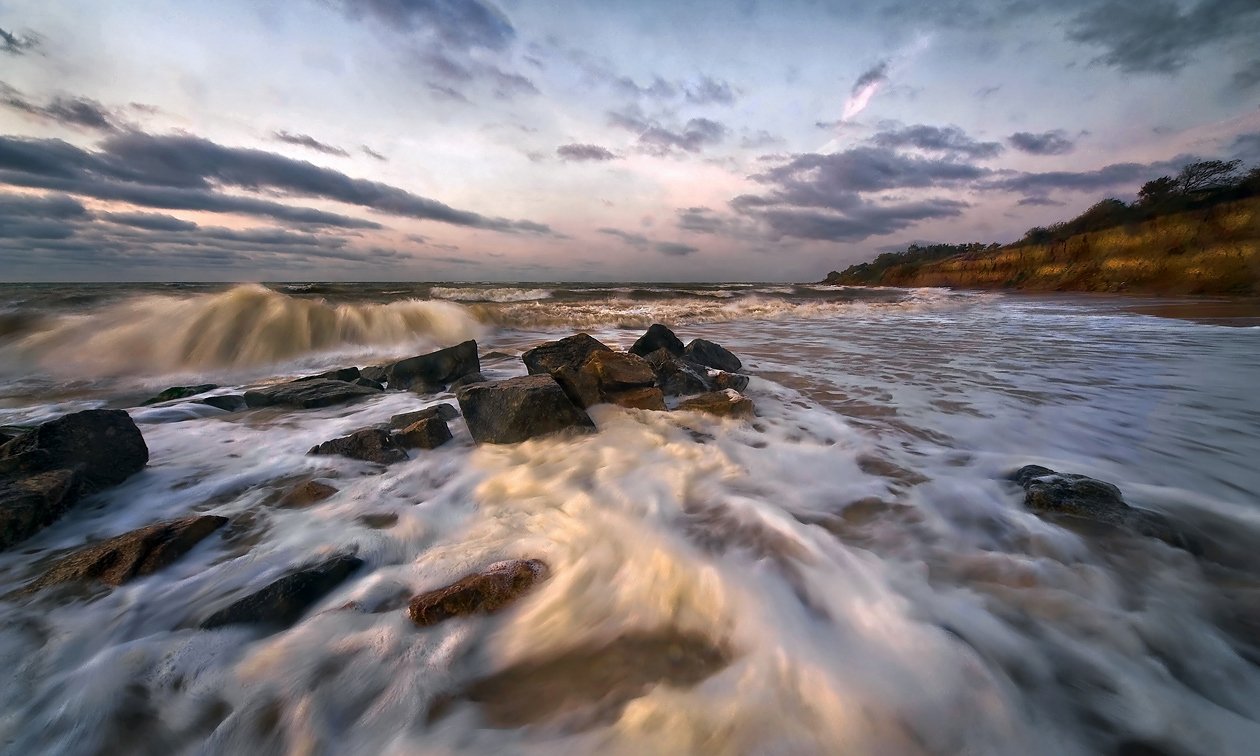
1214	250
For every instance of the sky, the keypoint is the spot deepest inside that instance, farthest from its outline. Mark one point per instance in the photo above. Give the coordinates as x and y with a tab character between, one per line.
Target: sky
659	140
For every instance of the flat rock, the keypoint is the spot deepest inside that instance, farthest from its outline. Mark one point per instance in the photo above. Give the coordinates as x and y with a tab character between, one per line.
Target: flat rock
436	368
657	337
645	397
305	494
726	403
480	593
179	392
307	394
283	602
676	376
709	354
429	433
103	446
228	402
347	375
31	503
516	409
131	555
370	445
443	410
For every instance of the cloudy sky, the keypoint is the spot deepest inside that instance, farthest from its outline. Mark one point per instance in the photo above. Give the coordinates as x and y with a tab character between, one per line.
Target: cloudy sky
584	139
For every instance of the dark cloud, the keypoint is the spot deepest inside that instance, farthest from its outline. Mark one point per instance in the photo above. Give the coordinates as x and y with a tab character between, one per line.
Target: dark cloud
310	142
1038	202
150	221
708	90
459	23
700	220
506	84
703	90
584	152
1246	147
875	74
760	140
1046	143
638	241
1248	76
13	44
373	153
944	139
858	222
1161	36
658	89
77	112
674	249
657	139
1107	177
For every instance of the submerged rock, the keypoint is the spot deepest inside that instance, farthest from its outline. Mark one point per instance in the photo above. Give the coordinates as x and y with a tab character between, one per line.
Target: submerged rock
516	409
709	354
726	403
434	369
305	494
179	392
31	503
369	445
657	337
480	593
444	411
675	376
228	402
725	380
429	433
104	447
130	555
307	394
346	375
283	602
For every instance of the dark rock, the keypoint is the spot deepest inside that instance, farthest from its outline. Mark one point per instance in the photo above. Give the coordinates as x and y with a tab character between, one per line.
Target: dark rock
369	445
179	392
658	337
443	410
709	354
516	409
378	373
229	402
29	504
429	433
645	397
480	593
103	446
346	375
369	383
421	386
307	394
379	520
283	602
615	371
435	368
467	380
721	403
132	555
305	494
563	360
729	381
675	376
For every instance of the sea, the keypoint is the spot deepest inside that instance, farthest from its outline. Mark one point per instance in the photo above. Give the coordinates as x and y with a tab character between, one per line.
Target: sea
851	571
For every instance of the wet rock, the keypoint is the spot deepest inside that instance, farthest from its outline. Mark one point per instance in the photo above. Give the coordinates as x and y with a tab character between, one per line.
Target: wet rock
228	402
646	398
444	411
369	445
378	373
179	392
516	409
421	386
307	394
480	593
31	503
346	375
467	380
434	369
283	602
726	403
675	376
1053	493
563	361
378	520
104	447
615	371
429	433
305	494
131	555
658	337
725	380
709	354
369	383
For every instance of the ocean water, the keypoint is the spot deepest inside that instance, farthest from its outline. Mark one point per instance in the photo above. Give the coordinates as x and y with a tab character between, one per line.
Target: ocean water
849	572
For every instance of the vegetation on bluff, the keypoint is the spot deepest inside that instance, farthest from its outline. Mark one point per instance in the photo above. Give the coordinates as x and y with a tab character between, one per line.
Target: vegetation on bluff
1197	233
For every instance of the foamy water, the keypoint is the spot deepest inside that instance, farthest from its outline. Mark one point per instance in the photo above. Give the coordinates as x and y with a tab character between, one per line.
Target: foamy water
848	573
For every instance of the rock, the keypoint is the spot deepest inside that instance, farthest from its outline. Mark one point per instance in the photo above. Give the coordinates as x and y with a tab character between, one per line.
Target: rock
229	402
369	383
709	354
726	403
378	373
563	360
467	380
29	504
307	394
103	446
646	398
369	445
429	433
615	371
346	375
179	392
283	602
131	555
675	376
725	380
658	337
378	520
421	386
443	410
435	368
480	593
305	494
516	409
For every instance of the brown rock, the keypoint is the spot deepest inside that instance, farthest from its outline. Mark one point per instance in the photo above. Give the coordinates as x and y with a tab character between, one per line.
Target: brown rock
429	433
725	380
726	403
516	409
645	398
379	520
614	371
676	376
306	494
369	445
480	593
563	361
444	411
103	446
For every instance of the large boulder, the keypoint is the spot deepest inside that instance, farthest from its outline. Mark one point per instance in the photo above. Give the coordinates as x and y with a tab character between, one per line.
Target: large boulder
516	409
709	354
307	394
283	602
435	369
676	376
179	392
103	447
131	555
563	360
727	403
370	445
444	411
617	371
480	593
31	503
429	433
658	337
